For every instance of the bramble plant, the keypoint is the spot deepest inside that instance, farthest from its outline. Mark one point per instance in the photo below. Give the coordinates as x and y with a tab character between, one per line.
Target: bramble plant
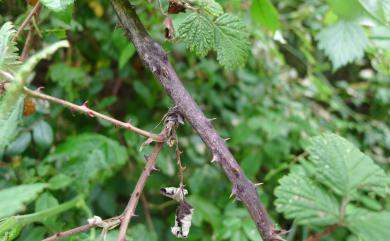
281	78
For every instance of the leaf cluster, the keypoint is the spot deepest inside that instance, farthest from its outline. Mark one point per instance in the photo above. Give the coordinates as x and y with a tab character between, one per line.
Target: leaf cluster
333	187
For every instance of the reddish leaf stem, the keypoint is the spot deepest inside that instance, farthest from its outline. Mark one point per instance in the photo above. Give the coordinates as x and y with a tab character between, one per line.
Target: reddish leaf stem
86	110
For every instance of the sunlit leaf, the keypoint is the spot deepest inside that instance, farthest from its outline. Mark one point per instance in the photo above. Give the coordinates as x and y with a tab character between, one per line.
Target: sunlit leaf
265	13
198	34
343	42
57	5
13	199
9	119
348	9
211	7
304	200
9	58
375	9
232	43
344	168
368	225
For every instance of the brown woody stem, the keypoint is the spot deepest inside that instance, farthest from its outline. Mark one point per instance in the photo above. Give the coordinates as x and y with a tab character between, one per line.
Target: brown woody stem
155	58
323	233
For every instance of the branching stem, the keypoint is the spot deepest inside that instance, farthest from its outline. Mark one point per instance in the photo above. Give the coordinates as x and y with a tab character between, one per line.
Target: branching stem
86	110
155	58
132	204
323	233
29	17
80	229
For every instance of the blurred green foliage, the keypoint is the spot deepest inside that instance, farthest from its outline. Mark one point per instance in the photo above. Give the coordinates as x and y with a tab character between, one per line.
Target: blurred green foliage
313	66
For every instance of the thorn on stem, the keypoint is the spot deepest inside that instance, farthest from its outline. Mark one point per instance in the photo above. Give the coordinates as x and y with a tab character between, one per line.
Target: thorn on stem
154	168
226	139
234	193
258	184
87	110
39	89
129	126
214	159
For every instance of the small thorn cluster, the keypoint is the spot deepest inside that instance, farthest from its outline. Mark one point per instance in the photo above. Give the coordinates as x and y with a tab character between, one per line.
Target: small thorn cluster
234	194
87	109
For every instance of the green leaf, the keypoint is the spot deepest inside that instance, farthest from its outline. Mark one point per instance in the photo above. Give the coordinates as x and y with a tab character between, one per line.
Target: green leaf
344	168
375	9
207	210
301	198
251	230
380	36
57	5
36	234
13	199
11	234
89	157
386	9
347	10
197	31
45	201
343	42
42	134
28	66
26	219
9	58
367	225
125	55
20	144
140	232
209	6
11	103
231	41
227	35
60	181
266	14
10	115
67	77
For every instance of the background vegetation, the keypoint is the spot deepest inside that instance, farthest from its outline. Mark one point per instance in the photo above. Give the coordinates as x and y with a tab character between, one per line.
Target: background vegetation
313	67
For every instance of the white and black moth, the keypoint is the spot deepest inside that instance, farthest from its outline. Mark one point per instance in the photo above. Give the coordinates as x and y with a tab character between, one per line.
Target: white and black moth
175	193
182	220
183	212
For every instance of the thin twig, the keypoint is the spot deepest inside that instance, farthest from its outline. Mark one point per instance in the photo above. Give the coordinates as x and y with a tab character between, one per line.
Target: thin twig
86	110
178	161
145	205
33	11
80	229
161	8
132	204
70	232
324	233
27	46
163	205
